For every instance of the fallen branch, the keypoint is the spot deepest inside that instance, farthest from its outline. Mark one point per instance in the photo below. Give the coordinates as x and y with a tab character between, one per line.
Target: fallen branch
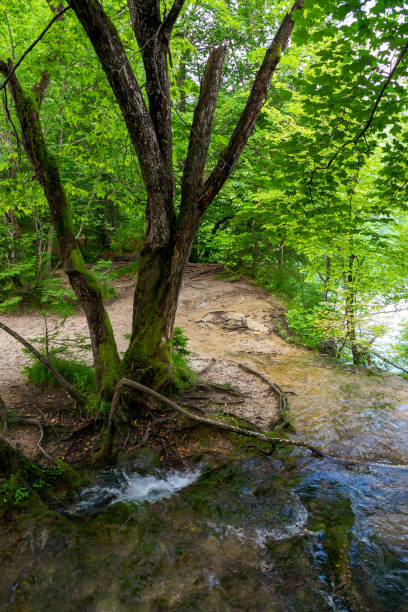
366	349
62	381
282	400
387	360
227	427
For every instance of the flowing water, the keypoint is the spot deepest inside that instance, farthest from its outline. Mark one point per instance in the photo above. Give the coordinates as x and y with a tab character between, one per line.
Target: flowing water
289	533
284	533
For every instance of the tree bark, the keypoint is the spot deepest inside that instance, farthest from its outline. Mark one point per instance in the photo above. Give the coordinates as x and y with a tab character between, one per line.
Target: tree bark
45	166
350	312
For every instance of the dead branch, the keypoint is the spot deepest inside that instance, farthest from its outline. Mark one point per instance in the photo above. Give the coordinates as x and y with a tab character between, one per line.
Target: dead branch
64	383
388	361
239	430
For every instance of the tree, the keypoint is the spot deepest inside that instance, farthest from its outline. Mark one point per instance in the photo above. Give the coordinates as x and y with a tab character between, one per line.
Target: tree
170	228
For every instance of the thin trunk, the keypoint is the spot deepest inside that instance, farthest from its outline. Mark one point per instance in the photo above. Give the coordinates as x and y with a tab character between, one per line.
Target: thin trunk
350	312
327	279
45	166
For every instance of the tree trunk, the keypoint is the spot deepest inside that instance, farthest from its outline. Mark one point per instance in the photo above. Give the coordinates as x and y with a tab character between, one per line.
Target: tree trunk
85	286
148	358
351	313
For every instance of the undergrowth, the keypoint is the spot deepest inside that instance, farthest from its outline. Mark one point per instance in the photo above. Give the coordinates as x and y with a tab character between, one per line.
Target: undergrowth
75	371
183	376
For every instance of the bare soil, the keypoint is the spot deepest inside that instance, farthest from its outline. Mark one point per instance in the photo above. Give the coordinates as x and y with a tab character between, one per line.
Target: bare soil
227	323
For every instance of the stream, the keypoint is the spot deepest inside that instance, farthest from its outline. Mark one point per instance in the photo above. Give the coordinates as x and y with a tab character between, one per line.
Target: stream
290	532
284	533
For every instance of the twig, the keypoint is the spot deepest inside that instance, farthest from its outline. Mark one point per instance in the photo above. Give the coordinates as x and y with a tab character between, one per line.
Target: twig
47	421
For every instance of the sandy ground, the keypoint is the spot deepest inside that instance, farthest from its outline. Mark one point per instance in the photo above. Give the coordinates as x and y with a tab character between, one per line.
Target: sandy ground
229	322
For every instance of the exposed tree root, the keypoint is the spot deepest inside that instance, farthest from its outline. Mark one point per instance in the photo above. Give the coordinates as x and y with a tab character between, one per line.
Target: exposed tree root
29	421
243	419
227	427
273	387
206	367
228	390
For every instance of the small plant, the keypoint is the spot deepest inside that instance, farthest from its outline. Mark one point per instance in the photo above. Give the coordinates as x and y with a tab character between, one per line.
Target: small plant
183	375
103	272
179	341
75	371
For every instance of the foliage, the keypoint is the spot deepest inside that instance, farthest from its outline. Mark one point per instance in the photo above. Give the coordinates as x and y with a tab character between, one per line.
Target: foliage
317	206
183	375
103	272
75	371
179	342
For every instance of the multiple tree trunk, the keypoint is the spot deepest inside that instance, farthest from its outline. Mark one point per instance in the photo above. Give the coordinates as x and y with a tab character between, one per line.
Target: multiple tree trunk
169	232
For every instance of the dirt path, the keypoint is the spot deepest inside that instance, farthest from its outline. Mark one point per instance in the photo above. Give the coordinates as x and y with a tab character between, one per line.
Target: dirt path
229	323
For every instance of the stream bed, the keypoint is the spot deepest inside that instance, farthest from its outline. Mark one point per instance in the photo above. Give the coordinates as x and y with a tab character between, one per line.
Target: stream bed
286	533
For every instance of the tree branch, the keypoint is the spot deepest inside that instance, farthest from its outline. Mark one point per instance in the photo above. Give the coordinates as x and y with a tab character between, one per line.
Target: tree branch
200	134
369	121
172	17
31	47
154	44
115	63
246	123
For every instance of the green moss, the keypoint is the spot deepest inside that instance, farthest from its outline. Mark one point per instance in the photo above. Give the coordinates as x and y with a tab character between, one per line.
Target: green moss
275	54
28	484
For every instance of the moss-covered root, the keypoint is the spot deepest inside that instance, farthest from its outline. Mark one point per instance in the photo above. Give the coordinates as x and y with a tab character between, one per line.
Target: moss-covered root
21	479
13	462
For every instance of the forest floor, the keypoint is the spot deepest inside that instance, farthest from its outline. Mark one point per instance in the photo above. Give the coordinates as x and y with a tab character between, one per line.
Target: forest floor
227	323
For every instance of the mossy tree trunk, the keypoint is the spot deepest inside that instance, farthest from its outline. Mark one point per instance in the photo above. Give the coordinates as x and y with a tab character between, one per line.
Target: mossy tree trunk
46	170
